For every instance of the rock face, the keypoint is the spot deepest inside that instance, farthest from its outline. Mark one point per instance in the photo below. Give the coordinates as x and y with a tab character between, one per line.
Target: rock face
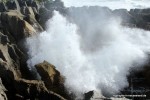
20	19
13	22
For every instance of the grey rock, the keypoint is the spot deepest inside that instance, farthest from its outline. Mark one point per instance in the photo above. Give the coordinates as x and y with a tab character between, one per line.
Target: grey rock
93	95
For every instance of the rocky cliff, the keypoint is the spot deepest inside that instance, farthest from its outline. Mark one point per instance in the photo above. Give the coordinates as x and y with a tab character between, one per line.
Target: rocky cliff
20	19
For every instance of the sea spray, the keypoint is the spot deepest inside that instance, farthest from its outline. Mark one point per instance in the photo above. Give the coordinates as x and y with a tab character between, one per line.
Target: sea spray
103	68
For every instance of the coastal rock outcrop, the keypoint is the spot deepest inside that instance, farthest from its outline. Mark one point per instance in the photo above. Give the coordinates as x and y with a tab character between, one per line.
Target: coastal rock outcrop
52	78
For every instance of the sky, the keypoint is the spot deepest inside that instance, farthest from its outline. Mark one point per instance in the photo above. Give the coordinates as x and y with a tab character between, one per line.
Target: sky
113	4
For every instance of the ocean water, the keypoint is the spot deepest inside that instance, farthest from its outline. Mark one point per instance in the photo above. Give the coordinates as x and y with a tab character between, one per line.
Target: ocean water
98	53
113	4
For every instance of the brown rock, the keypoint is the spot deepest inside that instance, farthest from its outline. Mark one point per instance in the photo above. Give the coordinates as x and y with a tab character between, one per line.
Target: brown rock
49	74
13	22
52	78
33	89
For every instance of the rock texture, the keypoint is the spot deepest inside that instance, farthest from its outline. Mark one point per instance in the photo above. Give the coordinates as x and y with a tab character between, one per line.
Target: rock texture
20	19
93	95
52	78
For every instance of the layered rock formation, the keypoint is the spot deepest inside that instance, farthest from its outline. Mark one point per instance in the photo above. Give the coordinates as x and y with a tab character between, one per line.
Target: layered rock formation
20	19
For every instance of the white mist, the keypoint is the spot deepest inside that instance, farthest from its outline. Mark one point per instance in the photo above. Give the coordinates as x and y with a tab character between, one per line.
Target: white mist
90	61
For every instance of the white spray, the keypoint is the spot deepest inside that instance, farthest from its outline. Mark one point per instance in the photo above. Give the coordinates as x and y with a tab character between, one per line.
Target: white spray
90	61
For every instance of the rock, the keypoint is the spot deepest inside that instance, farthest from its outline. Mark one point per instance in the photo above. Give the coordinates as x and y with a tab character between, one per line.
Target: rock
52	78
12	53
35	10
4	39
125	15
2	7
44	15
49	74
32	3
22	3
11	5
13	22
49	5
27	11
32	21
2	91
33	89
93	95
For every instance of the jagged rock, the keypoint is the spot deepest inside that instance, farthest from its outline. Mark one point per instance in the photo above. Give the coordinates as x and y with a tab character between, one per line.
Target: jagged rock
52	78
13	22
93	95
11	5
32	3
4	39
125	15
2	7
49	74
2	91
35	10
22	3
12	53
27	11
33	89
49	5
32	21
44	15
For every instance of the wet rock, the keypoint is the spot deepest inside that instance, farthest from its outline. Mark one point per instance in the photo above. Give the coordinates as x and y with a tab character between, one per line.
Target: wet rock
93	95
49	74
125	15
52	78
44	15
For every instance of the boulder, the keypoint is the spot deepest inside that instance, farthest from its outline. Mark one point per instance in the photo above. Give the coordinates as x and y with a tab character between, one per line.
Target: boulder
49	75
93	95
52	78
